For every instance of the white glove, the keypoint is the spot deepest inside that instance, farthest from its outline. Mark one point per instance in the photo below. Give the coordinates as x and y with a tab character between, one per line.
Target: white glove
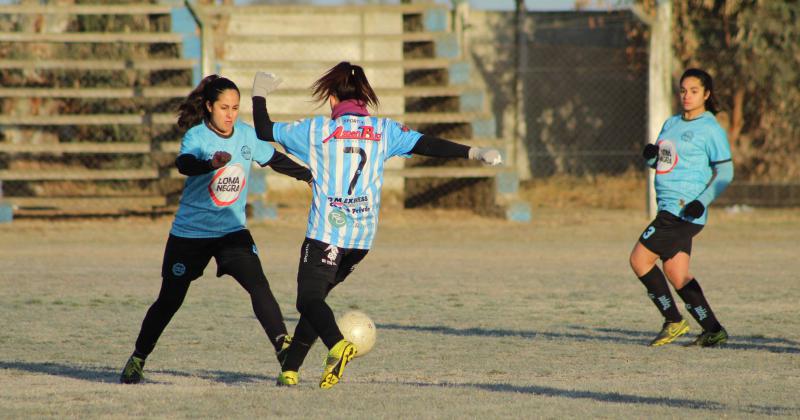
487	156
265	83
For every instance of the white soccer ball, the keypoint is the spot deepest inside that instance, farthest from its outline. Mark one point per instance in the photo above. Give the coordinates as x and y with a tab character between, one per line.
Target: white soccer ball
358	329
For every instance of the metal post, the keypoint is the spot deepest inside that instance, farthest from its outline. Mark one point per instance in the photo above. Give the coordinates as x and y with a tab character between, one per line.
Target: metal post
519	32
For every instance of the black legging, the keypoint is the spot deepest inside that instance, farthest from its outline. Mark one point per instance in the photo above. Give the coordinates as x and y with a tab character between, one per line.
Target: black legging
246	271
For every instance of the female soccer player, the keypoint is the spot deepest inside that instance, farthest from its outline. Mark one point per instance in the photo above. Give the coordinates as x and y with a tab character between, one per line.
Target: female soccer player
692	159
346	152
216	154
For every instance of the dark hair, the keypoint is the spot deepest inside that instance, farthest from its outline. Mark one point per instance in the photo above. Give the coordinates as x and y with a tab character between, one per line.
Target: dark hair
193	109
345	81
707	83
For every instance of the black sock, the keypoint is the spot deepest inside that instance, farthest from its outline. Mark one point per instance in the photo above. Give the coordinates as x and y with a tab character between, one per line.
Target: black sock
658	291
298	351
698	306
137	353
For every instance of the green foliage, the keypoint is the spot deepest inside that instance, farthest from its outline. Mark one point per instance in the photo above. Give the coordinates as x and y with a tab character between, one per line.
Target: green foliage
752	48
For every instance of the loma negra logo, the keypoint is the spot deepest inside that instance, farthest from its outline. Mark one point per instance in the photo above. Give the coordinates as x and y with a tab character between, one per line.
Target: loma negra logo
227	184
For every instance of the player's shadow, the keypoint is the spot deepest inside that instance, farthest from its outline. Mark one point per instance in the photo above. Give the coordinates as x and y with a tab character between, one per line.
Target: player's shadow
612	397
736	342
109	375
611	335
500	332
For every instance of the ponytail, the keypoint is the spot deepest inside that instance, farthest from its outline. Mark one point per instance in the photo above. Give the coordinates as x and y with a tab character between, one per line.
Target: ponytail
193	110
345	81
705	81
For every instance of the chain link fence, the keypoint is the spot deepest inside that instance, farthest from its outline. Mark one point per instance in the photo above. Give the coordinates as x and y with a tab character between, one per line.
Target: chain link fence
582	80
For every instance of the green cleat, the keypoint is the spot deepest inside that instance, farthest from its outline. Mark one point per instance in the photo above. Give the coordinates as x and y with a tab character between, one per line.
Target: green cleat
670	332
133	373
338	357
288	378
710	339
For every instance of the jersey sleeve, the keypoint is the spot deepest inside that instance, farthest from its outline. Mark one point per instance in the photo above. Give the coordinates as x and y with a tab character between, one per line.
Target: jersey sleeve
400	139
294	137
191	144
262	152
718	148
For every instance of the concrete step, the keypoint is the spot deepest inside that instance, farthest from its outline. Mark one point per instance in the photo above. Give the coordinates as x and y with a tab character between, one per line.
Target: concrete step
93	37
86	9
303	78
86	119
325	48
346	24
84	206
93	148
77	174
269	65
95	93
150	64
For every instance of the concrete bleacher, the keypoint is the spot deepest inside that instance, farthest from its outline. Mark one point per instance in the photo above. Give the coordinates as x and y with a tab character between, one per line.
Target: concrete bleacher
88	94
409	53
413	61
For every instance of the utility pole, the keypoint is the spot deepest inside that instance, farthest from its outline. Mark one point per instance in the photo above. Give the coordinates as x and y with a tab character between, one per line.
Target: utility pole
659	85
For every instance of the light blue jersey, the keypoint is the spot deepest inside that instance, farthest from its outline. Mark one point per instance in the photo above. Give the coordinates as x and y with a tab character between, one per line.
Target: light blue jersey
213	204
688	152
346	157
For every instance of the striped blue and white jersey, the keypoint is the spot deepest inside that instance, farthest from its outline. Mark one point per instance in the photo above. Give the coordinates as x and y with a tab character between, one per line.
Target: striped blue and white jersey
213	204
346	157
688	151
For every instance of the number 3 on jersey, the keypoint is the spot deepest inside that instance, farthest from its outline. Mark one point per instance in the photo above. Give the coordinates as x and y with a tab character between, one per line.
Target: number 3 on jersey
363	155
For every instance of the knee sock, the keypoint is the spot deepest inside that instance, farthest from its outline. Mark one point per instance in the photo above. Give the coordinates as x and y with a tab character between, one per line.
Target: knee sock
696	304
658	291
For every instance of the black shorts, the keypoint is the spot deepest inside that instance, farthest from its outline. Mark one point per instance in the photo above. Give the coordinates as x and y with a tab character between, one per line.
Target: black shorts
186	258
668	234
323	266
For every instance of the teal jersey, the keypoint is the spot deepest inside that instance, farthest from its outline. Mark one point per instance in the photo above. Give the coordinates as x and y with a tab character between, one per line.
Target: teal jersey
687	154
346	157
213	204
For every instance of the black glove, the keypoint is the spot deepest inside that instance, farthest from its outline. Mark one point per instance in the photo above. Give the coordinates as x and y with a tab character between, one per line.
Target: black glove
650	151
694	209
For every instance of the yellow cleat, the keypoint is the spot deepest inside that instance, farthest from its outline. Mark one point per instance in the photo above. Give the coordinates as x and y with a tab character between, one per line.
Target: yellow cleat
670	332
338	357
288	378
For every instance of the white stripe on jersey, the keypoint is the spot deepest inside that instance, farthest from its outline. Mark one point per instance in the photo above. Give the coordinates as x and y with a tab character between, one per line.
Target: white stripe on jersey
349	171
359	235
324	210
318	171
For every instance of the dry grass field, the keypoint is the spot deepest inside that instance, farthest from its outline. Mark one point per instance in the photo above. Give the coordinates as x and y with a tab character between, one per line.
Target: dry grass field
477	318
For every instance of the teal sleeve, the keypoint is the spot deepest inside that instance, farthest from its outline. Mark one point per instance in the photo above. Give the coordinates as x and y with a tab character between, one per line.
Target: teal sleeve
723	175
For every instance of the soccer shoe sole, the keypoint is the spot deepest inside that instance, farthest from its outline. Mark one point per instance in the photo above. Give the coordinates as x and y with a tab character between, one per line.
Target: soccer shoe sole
332	378
666	340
